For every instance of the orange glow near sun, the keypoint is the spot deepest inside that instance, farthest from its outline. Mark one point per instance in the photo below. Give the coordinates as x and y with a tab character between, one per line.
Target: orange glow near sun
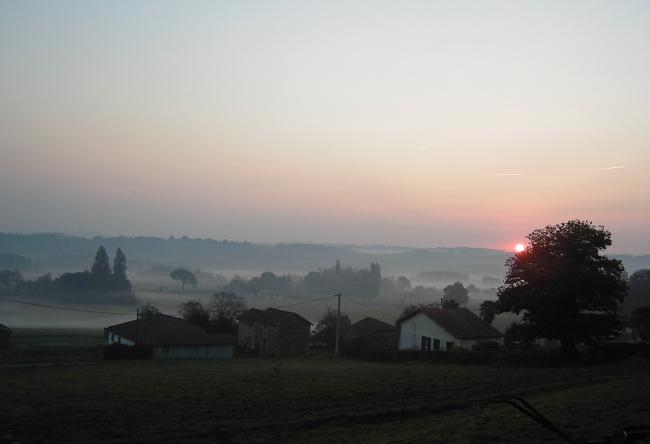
519	248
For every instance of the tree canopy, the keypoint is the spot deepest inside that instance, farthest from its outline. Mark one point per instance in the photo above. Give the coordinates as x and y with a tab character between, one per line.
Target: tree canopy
219	317
193	311
639	292
456	292
564	287
185	277
225	308
98	286
325	331
147	310
101	266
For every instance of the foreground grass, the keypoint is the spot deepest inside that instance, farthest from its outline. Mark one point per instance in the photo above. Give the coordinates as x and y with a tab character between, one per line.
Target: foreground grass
38	345
313	400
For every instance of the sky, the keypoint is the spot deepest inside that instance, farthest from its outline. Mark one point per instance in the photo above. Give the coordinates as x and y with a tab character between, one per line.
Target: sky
465	123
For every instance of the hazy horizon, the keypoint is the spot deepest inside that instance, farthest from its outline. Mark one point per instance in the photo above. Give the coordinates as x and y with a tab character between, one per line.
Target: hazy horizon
508	249
421	124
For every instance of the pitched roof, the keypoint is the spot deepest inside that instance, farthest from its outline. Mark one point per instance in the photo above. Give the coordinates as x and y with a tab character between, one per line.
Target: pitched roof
5	328
460	322
164	330
369	326
270	316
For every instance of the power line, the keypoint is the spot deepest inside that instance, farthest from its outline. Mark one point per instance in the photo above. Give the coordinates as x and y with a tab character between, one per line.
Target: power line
58	307
304	302
348	299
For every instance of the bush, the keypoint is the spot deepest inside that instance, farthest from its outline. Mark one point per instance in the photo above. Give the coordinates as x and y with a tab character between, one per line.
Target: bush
486	346
116	352
615	351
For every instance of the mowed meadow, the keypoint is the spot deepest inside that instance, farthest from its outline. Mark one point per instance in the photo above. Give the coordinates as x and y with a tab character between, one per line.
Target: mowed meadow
316	399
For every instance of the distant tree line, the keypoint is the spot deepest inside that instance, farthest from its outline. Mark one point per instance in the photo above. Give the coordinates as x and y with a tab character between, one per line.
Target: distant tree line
338	279
100	285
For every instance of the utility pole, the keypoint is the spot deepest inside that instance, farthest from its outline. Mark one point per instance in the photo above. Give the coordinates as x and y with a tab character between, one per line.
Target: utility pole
338	326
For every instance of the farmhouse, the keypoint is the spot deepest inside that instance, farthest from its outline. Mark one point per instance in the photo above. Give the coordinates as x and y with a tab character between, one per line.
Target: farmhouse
5	336
444	328
171	337
274	332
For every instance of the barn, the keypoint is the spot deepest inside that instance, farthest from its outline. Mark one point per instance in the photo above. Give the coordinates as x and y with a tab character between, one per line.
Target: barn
370	334
441	329
171	337
274	332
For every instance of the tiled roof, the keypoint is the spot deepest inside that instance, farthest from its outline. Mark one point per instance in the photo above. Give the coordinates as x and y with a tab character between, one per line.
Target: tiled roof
369	326
270	316
164	330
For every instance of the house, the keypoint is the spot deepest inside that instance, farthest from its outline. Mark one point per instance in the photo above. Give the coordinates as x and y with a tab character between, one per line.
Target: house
370	334
5	336
274	332
444	328
171	337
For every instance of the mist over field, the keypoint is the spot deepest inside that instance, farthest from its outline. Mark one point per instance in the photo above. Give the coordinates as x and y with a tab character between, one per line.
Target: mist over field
216	263
287	221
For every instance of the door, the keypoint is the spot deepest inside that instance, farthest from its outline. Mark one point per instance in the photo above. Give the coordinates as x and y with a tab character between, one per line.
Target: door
436	344
426	343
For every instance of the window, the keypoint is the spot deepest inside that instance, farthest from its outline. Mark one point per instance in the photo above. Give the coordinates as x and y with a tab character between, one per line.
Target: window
426	343
436	344
112	337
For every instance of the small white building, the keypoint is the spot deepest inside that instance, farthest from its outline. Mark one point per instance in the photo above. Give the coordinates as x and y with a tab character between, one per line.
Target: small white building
441	329
171	337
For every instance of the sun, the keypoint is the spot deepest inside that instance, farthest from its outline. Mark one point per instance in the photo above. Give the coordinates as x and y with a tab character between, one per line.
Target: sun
519	248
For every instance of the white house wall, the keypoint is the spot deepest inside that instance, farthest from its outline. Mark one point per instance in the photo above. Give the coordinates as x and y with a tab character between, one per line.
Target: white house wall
413	329
117	339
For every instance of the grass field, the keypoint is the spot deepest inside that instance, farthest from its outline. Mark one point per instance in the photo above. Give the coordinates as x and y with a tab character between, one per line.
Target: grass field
42	345
319	399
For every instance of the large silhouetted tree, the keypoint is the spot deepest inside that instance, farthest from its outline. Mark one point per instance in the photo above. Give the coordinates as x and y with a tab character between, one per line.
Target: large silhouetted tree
564	287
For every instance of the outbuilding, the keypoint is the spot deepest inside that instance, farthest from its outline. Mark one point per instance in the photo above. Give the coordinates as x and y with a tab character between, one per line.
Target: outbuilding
274	332
171	337
441	329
